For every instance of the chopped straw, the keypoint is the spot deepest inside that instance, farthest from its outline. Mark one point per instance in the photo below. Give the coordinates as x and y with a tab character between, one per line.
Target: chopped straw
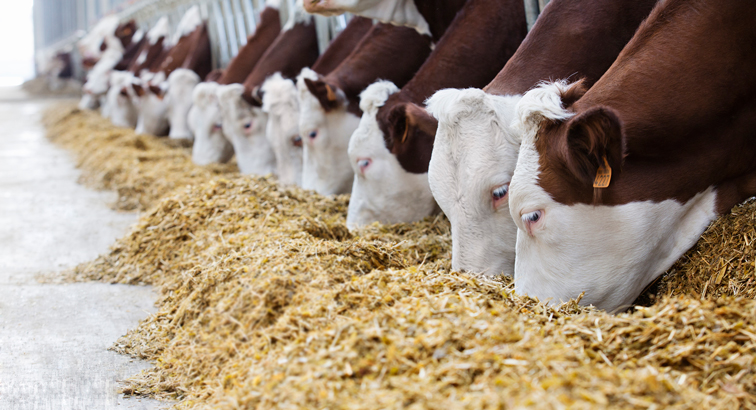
267	301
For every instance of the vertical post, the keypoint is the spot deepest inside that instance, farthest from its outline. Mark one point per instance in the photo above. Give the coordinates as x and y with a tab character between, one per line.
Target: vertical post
531	12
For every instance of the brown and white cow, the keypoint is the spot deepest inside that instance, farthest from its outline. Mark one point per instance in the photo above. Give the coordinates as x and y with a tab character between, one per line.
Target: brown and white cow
330	105
190	50
611	188
281	103
244	122
475	149
430	17
111	50
390	150
204	120
120	97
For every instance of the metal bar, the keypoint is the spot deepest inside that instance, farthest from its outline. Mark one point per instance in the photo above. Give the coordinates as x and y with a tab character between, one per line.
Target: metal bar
249	12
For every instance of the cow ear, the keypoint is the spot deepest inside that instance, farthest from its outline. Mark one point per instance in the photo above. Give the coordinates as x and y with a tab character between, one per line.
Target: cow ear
157	91
124	92
594	140
414	131
325	93
138	89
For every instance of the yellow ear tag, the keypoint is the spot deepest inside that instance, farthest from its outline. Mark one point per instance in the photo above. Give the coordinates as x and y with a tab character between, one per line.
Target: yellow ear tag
603	176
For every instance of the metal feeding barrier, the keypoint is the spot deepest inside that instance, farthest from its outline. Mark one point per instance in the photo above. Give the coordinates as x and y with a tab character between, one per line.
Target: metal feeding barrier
58	24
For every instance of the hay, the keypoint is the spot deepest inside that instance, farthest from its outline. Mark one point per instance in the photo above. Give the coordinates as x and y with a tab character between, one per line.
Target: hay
141	168
268	301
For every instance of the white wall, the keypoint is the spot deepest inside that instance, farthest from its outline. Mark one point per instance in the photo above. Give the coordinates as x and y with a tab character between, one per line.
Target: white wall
16	42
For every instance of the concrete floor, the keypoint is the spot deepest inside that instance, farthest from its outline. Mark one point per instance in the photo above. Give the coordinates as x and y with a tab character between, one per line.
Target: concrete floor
54	337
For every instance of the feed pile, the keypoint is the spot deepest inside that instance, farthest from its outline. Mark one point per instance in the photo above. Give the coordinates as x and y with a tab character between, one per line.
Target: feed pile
141	168
268	301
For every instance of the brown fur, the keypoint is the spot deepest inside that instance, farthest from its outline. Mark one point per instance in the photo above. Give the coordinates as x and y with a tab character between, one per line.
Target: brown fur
343	45
682	95
154	54
292	50
244	62
192	52
402	46
483	36
571	39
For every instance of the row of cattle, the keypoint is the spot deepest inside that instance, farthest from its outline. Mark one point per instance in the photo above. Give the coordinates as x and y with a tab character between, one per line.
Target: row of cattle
584	156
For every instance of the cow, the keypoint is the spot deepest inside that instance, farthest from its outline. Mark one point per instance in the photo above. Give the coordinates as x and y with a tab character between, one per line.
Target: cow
243	120
90	46
390	150
475	150
111	52
190	50
329	105
611	187
121	109
280	102
429	17
204	119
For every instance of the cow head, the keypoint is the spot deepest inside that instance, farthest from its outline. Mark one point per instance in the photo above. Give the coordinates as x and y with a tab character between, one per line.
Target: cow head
122	112
151	104
181	85
473	159
281	104
568	242
325	126
385	190
244	125
204	119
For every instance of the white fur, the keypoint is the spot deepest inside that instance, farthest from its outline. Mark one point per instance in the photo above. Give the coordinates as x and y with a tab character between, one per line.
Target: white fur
297	16
282	106
160	29
98	79
89	45
189	22
326	166
210	145
181	85
542	102
121	110
475	152
138	36
253	151
397	12
153	111
609	252
383	192
275	4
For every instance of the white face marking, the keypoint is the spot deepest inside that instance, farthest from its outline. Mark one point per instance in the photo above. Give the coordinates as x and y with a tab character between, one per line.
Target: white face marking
282	106
397	12
473	159
325	137
383	191
181	85
206	123
609	252
153	114
244	125
121	110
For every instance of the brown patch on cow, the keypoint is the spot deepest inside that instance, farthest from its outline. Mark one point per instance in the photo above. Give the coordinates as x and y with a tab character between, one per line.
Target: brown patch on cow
680	99
324	93
343	45
570	40
191	52
138	89
292	50
418	131
159	93
483	36
438	17
265	34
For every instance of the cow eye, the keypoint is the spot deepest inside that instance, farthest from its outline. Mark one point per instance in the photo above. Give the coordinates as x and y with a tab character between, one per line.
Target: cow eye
363	163
217	126
532	217
499	195
248	125
297	141
313	134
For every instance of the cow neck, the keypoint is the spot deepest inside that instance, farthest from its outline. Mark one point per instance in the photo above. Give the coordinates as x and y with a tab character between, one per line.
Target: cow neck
264	35
439	18
480	40
683	89
199	59
571	39
343	45
402	46
293	50
130	55
179	53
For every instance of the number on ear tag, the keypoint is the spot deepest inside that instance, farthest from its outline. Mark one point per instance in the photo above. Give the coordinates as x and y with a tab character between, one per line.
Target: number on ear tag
603	176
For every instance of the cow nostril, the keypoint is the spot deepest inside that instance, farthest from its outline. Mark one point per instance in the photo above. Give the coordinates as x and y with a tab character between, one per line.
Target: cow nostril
297	141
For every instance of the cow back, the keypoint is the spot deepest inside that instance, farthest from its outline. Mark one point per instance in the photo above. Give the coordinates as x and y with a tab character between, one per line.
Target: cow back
244	62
